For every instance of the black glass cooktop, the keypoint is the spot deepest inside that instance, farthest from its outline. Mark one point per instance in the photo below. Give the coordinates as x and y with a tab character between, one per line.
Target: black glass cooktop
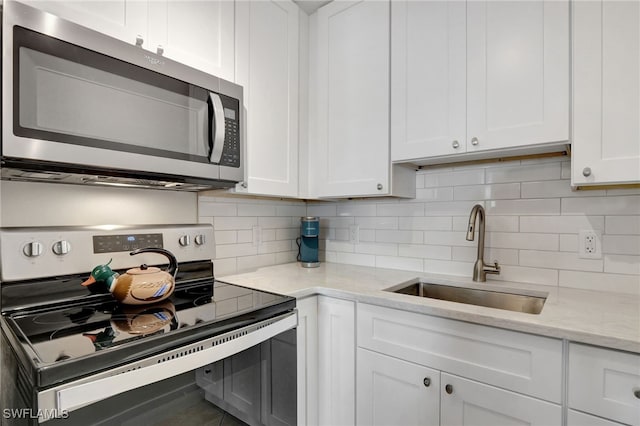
67	341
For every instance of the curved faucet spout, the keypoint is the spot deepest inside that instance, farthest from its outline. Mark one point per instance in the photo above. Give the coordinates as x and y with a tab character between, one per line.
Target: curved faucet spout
480	269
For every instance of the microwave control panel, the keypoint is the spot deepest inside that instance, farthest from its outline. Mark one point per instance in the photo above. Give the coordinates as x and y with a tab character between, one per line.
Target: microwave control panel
232	149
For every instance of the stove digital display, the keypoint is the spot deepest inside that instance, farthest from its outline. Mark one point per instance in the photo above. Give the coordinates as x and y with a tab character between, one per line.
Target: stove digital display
115	243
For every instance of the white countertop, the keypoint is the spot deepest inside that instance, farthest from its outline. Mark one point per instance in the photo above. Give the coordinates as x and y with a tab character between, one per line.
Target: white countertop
598	318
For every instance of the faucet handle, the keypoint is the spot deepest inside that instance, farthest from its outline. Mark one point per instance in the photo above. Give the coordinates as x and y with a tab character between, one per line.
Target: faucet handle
492	269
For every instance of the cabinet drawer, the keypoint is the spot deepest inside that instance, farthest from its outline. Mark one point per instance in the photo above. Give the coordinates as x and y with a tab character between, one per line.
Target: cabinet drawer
517	361
576	418
605	382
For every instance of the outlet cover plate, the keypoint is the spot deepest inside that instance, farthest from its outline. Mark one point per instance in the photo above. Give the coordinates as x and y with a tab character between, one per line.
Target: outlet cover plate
590	244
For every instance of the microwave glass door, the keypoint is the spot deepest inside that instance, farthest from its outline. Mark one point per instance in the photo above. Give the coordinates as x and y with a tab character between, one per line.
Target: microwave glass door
70	94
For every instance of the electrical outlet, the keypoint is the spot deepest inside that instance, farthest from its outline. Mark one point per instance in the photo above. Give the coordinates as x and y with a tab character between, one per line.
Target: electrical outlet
354	234
589	244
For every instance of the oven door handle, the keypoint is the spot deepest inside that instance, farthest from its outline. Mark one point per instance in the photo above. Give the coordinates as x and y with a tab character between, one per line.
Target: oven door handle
73	396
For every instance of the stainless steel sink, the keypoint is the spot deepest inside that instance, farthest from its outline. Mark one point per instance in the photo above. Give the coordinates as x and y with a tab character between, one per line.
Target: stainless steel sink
530	303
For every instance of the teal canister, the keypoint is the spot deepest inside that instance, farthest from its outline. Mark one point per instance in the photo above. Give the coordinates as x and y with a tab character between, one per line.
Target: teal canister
308	241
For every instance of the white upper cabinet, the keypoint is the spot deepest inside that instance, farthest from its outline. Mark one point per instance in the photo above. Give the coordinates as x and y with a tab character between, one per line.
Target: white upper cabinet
267	67
121	19
428	78
479	77
606	92
197	33
349	149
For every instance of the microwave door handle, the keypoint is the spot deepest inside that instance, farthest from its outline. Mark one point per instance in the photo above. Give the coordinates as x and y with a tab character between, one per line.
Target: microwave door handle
217	128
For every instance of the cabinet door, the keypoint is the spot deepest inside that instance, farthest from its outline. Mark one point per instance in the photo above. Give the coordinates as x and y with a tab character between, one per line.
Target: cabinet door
336	361
351	154
196	33
392	391
121	19
465	402
242	382
428	79
267	68
307	348
517	73
606	92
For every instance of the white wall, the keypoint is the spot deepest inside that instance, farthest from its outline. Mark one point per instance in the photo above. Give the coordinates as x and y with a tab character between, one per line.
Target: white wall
45	204
533	220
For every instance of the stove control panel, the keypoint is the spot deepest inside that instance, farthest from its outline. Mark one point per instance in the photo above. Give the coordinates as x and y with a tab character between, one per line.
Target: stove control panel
38	252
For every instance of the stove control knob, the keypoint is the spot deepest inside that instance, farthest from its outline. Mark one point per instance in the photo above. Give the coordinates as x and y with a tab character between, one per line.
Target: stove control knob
61	247
199	239
184	241
32	249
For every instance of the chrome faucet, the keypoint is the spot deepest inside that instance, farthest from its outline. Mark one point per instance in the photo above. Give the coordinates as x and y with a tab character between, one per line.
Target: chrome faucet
480	270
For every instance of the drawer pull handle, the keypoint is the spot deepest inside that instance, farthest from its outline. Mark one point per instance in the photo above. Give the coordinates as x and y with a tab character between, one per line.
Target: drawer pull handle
448	389
636	393
427	381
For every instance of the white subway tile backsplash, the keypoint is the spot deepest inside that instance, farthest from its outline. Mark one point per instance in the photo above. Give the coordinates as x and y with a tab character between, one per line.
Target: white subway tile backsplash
550	206
532	222
524	173
454	178
434	194
430	223
294	210
425	251
448	267
256	210
356	209
492	223
382	249
400	209
217	209
623	225
448	238
378	222
569	242
235	250
397	236
522	241
561	224
620	264
403	263
356	259
322	210
555	260
555	189
487	192
449	208
470	254
222	223
226	237
607	206
621	244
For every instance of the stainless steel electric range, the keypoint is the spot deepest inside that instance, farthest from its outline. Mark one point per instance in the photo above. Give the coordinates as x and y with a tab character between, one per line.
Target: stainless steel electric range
212	353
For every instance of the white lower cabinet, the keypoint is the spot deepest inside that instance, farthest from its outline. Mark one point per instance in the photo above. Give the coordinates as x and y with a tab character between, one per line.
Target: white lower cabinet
307	368
416	369
336	361
469	403
605	383
395	392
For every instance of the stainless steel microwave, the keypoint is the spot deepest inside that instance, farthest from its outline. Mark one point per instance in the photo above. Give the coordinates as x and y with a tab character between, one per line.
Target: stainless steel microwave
82	107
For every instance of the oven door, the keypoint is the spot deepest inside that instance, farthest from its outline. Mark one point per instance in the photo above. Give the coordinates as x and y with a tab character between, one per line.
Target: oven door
80	98
244	376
